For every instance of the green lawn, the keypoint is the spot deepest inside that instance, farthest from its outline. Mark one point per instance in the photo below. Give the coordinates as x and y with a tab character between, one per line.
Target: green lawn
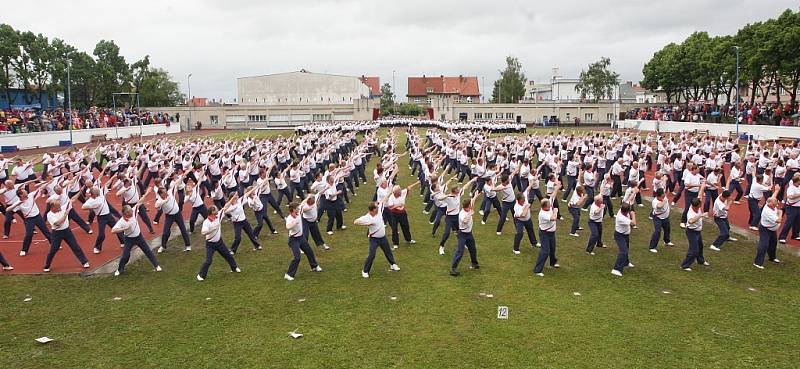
657	315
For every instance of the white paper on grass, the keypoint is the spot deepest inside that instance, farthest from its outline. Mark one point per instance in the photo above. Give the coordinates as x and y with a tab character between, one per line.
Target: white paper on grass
393	298
43	339
28	299
295	334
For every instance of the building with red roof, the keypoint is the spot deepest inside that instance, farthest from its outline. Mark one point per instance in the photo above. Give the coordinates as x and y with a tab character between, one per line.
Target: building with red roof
425	90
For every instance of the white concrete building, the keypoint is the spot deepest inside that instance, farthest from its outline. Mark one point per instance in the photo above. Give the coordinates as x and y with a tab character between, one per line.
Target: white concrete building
301	88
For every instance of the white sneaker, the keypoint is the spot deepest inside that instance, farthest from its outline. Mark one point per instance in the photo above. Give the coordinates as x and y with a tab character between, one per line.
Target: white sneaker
687	269
670	243
705	263
160	249
758	266
683	225
187	248
412	242
782	241
330	233
574	235
580	228
116	273
394	267
23	253
158	268
395	247
672	203
344	227
712	247
425	212
237	270
737	202
584	209
325	246
5	237
46	270
516	252
480	212
96	250
538	244
199	278
733	239
8	267
122	245
630	265
498	233
776	261
590	253
90	231
482	222
364	274
86	265
794	238
753	228
441	250
556	265
616	272
654	251
562	200
288	277
317	269
641	205
539	274
431	223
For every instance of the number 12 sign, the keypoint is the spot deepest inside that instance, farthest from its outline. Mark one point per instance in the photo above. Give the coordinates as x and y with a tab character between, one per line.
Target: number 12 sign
502	312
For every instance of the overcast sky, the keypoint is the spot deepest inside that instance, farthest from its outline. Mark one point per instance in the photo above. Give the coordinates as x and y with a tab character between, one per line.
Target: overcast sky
218	41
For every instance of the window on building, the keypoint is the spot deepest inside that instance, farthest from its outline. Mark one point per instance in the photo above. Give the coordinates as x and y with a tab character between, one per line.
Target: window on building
428	101
429	90
469	99
417	100
478	115
589	117
509	115
214	120
498	115
610	117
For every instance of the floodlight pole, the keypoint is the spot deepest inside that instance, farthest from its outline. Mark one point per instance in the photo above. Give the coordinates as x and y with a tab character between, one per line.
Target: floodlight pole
69	101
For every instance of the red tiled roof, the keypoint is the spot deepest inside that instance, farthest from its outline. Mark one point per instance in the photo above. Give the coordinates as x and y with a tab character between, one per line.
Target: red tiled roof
374	84
464	86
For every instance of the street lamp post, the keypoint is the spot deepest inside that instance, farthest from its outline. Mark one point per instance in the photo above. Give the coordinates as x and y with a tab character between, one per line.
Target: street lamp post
189	85
736	102
69	100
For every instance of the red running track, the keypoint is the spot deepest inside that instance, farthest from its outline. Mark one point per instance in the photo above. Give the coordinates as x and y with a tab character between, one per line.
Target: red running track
738	215
65	261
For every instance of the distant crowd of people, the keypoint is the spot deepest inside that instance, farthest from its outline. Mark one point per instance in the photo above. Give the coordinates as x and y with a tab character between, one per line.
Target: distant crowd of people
32	120
770	113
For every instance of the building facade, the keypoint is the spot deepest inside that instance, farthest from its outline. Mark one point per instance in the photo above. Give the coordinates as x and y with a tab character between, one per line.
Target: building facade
303	88
443	90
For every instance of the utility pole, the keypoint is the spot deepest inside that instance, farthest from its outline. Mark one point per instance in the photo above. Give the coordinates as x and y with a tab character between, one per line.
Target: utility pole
69	100
189	85
736	103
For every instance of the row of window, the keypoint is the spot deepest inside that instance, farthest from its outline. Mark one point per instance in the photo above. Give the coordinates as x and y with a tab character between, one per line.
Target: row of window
298	100
496	116
459	99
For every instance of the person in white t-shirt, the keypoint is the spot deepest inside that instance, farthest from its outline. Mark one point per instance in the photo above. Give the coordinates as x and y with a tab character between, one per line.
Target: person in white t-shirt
792	209
212	231
769	223
128	228
623	222
661	223
694	227
297	243
596	211
548	214
397	206
465	238
720	212
58	218
376	232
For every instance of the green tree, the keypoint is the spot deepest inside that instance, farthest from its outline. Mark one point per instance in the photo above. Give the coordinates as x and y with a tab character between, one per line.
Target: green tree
387	99
788	37
510	88
9	52
113	72
598	82
158	89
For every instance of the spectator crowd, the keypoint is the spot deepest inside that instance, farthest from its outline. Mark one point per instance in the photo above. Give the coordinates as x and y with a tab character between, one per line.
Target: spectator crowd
770	113
33	120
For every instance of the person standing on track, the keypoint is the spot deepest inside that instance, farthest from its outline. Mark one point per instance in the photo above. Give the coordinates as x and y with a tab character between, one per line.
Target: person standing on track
212	231
58	217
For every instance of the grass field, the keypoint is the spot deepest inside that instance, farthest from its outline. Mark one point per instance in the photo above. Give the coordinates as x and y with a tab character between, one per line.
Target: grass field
657	315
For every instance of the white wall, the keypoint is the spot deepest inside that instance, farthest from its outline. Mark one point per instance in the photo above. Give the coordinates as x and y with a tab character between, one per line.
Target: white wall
51	138
716	129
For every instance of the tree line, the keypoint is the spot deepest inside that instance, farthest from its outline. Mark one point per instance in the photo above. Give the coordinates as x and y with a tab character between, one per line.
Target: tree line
37	64
704	67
